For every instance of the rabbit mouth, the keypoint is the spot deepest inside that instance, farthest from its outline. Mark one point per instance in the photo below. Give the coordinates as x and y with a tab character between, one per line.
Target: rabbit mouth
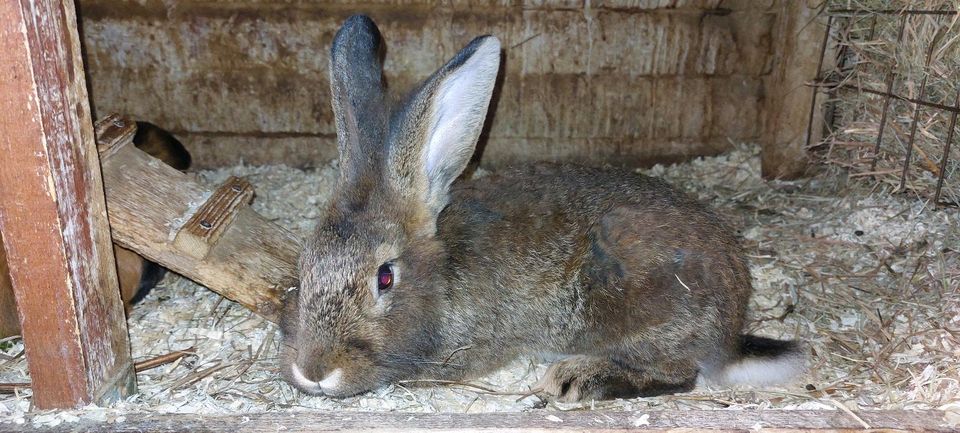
327	386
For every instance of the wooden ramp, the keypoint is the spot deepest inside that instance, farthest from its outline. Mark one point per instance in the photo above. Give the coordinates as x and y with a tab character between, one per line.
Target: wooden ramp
211	236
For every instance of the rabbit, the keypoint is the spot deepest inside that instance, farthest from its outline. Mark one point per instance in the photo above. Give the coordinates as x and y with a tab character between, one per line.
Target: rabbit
634	287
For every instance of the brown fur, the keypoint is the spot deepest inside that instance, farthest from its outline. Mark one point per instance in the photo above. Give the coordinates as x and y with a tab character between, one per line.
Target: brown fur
129	270
161	144
641	287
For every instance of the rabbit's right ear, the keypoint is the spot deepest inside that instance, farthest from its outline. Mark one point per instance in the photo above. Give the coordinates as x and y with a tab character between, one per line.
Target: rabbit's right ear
434	136
356	87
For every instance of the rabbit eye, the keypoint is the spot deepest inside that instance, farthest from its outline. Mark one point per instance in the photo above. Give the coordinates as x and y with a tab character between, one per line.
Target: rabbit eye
384	277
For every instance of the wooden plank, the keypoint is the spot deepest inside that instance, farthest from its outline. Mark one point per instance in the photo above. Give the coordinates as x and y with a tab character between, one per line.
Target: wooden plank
784	154
9	325
202	231
541	421
254	260
52	212
647	80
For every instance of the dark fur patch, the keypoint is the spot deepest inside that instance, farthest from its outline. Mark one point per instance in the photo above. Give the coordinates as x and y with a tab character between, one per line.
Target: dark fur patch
602	269
360	345
343	228
480	213
160	144
678	257
623	388
752	346
149	278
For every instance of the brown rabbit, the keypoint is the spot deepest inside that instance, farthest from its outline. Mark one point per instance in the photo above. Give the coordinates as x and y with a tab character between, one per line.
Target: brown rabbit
136	275
636	287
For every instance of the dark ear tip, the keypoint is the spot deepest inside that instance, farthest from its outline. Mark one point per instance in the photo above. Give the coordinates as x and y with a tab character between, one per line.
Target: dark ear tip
359	28
487	46
359	20
490	41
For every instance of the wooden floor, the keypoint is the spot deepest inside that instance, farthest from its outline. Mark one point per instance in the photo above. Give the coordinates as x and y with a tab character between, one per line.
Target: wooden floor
587	421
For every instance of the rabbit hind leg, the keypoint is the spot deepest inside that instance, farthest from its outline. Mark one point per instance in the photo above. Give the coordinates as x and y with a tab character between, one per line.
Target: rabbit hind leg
585	377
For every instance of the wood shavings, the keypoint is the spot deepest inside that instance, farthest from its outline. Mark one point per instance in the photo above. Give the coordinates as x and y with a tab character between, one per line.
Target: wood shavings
867	279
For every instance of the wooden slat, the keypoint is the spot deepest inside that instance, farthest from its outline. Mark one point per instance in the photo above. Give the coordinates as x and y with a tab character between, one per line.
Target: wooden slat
788	101
254	260
584	421
202	231
620	82
9	325
52	212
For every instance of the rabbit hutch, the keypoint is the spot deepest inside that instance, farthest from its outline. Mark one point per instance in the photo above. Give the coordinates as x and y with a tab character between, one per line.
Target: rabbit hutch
823	131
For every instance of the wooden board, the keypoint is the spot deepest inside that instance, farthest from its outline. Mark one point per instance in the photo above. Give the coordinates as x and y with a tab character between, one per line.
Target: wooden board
541	421
52	213
620	82
205	228
252	261
9	324
784	154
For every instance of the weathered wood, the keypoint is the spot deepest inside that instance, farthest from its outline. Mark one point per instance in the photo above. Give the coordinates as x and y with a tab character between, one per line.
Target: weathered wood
784	153
130	265
254	260
52	212
541	421
9	325
202	231
600	82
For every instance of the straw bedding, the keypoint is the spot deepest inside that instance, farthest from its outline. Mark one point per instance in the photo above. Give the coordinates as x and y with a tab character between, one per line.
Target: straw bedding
867	279
923	64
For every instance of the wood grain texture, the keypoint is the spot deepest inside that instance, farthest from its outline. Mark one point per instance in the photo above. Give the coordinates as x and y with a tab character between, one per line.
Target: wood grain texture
784	154
618	81
9	324
203	230
254	260
52	212
539	421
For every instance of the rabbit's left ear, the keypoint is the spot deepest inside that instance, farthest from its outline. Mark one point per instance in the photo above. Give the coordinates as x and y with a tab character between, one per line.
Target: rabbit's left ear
357	93
435	135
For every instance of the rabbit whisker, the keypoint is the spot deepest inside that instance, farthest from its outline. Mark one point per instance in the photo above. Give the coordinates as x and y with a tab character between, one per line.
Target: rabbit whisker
454	352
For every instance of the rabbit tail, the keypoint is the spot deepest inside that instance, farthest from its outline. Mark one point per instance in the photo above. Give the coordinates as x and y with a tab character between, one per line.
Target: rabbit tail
760	361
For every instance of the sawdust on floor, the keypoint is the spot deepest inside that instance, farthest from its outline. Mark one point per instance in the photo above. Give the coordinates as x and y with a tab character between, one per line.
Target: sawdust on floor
867	279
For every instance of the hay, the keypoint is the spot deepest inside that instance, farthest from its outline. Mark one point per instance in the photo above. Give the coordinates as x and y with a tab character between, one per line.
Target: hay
868	279
868	47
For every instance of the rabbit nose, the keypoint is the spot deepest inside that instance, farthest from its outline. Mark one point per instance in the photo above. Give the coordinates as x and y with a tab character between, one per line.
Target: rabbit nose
331	381
308	382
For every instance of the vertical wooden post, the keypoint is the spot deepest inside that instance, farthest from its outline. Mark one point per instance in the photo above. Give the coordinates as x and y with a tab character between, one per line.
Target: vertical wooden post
9	325
52	212
797	53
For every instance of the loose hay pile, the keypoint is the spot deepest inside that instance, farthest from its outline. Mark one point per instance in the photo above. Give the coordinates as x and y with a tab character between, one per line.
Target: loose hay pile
868	279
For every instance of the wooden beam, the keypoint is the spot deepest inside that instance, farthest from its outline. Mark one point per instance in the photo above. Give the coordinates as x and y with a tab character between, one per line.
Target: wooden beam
9	325
800	33
52	212
541	421
210	236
